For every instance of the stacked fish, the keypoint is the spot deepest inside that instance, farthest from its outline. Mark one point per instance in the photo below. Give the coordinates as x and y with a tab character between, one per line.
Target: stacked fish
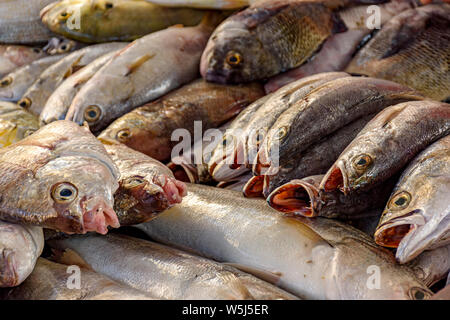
325	156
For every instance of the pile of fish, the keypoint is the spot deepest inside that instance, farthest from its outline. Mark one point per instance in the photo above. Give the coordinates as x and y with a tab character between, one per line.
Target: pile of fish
224	149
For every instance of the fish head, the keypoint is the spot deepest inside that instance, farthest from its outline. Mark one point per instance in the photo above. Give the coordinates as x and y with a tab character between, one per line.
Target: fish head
7	92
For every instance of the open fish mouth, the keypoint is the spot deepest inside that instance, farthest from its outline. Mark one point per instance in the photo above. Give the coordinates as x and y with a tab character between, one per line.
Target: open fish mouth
183	171
8	271
336	179
99	216
254	187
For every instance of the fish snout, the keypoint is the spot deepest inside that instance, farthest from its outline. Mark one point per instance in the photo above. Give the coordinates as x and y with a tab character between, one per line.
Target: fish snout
336	179
98	216
8	270
174	190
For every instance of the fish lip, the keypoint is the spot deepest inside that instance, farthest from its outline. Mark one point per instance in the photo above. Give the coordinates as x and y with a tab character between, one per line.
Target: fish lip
218	173
185	168
98	216
8	269
254	187
212	76
335	179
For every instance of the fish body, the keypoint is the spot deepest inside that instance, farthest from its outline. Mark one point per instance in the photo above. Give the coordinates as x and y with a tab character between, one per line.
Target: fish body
432	266
204	4
15	123
15	56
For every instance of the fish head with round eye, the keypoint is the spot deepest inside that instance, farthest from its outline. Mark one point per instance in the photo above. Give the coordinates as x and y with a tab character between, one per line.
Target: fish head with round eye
6	81
25	103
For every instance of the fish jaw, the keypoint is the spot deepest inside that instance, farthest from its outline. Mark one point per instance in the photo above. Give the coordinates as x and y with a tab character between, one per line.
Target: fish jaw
8	271
336	179
254	187
98	216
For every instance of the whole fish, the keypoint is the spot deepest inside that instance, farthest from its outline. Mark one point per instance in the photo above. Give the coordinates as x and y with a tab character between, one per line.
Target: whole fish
386	144
270	37
311	258
432	266
149	128
146	186
35	98
20	22
165	272
20	247
49	281
411	49
15	123
205	4
16	83
15	56
96	21
70	180
325	110
144	71
416	216
59	101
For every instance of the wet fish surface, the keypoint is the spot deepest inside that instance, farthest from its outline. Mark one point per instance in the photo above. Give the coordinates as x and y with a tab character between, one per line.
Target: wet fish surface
433	265
15	56
15	123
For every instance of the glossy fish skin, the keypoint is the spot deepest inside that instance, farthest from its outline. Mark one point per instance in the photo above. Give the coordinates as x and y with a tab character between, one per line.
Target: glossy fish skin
144	71
432	266
70	180
16	83
20	22
412	49
15	56
165	272
35	98
59	101
15	123
149	128
146	186
204	4
20	247
49	282
230	228
336	104
416	217
386	144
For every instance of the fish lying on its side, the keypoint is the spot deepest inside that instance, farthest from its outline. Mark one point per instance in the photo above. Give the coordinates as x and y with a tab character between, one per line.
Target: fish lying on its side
20	247
204	4
432	266
311	258
15	123
165	272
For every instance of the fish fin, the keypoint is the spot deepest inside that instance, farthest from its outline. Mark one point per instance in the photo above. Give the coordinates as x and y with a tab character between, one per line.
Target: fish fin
260	15
69	257
139	62
179	25
74	67
269	276
338	24
108	141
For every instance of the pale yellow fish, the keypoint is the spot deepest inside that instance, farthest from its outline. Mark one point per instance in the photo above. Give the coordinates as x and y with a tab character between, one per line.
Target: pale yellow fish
15	123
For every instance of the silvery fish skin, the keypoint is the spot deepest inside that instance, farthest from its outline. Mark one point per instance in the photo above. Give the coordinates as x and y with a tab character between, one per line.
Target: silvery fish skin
416	217
16	83
59	101
35	98
411	49
69	176
149	128
386	144
311	258
144	71
49	282
20	247
204	4
113	20
432	266
15	123
165	272
146	186
15	56
327	109
20	22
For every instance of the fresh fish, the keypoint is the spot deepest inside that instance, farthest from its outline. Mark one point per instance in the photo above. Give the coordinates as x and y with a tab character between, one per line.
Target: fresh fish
149	128
386	144
20	22
411	49
113	20
15	123
432	266
165	272
49	281
16	83
325	110
70	180
236	184
35	98
311	258
417	215
59	101
146	186
61	45
144	71
205	4
15	56
20	247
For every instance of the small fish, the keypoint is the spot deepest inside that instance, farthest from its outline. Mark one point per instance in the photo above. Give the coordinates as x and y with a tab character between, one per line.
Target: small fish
15	123
432	266
61	45
70	180
416	216
20	247
204	4
15	56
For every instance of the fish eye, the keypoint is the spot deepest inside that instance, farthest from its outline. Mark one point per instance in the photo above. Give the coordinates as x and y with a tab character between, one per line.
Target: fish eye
6	81
92	113
64	192
418	294
234	58
400	200
133	182
281	133
123	135
64	15
65	47
24	103
361	162
28	132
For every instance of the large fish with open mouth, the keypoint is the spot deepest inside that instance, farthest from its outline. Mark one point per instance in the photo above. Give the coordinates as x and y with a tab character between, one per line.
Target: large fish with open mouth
70	180
386	144
149	128
417	215
36	96
20	247
15	123
311	258
15	56
165	272
411	49
143	71
146	186
49	281
432	266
